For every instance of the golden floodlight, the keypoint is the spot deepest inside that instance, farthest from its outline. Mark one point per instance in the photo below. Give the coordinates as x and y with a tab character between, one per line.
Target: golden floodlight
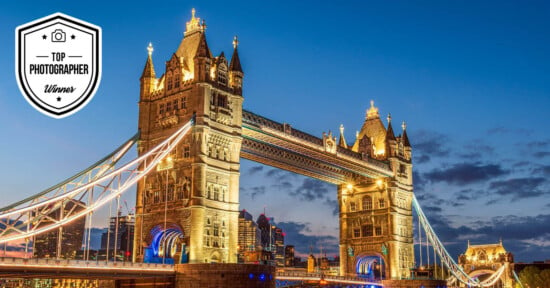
379	183
349	186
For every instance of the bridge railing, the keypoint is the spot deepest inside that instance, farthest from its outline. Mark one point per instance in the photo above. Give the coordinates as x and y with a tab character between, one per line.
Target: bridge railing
66	263
295	274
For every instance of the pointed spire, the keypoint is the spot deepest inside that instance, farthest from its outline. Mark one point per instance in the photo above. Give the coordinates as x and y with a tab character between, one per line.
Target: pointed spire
372	112
202	49
235	64
194	24
149	69
235	42
389	133
342	141
405	138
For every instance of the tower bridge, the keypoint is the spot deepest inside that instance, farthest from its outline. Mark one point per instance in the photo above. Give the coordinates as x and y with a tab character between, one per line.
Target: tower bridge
193	132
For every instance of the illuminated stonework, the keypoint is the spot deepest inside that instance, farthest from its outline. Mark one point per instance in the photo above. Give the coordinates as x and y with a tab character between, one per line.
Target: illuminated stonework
376	213
196	189
484	260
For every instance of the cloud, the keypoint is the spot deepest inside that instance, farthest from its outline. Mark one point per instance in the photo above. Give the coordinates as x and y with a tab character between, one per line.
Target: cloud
506	130
255	169
279	175
256	191
429	144
538	144
333	204
297	234
476	150
541	154
311	189
469	194
519	188
284	185
542	170
466	173
418	181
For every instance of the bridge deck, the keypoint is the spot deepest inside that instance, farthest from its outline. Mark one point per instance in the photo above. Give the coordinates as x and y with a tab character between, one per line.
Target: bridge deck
34	267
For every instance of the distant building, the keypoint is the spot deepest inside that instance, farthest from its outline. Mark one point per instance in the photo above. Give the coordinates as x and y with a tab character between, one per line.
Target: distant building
45	244
311	263
485	259
289	256
266	233
249	238
123	235
279	247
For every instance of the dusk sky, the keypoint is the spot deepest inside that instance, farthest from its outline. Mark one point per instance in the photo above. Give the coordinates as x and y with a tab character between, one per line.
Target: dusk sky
470	78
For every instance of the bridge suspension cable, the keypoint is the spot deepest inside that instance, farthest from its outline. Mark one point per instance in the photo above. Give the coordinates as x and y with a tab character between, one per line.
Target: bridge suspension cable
65	202
446	258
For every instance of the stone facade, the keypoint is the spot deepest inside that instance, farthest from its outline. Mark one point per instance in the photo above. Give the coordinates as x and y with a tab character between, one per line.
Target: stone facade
414	283
376	214
196	189
224	275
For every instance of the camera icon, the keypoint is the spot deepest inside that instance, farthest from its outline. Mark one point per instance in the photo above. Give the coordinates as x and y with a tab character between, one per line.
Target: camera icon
58	35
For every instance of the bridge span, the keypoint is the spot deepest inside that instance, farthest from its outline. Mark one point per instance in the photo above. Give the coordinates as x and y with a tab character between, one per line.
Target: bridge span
64	268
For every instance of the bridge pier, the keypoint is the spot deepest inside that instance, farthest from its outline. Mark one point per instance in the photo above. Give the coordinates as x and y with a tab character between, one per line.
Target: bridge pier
224	275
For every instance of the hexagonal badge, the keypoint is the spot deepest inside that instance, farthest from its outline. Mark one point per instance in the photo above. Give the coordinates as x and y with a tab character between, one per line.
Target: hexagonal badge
58	63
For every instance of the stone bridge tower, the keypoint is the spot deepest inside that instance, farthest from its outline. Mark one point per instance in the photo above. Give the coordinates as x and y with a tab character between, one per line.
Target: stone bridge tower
376	226
483	260
187	210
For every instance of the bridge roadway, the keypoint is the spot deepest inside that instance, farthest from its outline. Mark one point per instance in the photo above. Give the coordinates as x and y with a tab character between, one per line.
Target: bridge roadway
53	268
107	270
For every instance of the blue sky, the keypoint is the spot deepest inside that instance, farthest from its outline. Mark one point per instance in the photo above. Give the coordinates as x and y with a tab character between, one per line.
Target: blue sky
471	78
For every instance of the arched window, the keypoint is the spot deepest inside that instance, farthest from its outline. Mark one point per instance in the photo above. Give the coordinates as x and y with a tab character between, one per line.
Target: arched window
367	203
169	82
177	80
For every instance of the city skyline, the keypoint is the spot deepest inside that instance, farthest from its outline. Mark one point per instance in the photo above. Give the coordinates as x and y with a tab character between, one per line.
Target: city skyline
470	80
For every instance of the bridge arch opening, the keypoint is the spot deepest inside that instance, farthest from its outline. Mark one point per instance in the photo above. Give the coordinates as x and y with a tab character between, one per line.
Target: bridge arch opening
484	274
167	245
370	266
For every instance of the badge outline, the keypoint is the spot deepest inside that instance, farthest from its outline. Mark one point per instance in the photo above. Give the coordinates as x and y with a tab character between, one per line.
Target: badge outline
94	82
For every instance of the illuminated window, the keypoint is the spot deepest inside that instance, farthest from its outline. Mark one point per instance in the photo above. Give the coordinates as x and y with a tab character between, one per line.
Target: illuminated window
222	78
381	203
176	81
366	230
183	103
378	230
356	233
213	99
171	192
367	203
156	197
186	151
216	193
175	104
222	101
169	84
161	109
352	206
169	106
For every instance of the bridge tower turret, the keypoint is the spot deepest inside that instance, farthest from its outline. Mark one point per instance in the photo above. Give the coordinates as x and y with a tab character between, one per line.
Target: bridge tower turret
376	214
187	210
